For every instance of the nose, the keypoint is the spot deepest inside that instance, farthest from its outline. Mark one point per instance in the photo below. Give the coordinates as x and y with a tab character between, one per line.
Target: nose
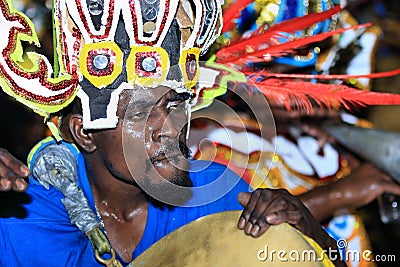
167	128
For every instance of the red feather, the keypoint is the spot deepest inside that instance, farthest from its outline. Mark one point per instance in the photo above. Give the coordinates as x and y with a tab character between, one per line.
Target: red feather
265	74
302	94
264	37
306	21
284	48
233	12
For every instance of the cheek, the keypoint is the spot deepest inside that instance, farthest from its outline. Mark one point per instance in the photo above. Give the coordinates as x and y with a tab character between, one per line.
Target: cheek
112	144
112	154
132	130
136	145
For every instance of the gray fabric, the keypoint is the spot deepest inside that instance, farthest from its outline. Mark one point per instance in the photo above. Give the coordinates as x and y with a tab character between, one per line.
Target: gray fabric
56	166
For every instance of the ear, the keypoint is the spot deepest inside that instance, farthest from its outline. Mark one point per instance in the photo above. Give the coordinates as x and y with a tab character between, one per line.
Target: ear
63	128
83	138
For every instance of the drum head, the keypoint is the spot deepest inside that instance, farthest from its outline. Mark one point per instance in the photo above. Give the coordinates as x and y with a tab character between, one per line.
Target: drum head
214	240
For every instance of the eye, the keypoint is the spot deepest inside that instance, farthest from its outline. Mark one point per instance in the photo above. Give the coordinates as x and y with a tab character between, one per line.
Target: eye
178	105
178	101
137	116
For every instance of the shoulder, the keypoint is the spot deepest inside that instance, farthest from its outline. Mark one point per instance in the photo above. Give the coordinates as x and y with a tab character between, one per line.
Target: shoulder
49	154
35	230
37	204
50	142
37	221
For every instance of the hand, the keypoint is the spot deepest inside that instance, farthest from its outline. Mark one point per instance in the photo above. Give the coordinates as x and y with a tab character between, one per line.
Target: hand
265	207
12	172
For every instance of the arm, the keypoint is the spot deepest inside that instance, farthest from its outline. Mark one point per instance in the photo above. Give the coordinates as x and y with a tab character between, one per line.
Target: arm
12	172
356	190
362	186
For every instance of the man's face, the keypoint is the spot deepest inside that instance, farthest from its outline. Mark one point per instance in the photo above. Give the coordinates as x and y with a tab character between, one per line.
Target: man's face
148	146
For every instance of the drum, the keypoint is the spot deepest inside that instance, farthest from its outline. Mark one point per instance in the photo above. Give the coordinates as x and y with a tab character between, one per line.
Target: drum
214	240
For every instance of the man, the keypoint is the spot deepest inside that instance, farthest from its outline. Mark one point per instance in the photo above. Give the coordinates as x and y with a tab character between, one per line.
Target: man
114	56
124	207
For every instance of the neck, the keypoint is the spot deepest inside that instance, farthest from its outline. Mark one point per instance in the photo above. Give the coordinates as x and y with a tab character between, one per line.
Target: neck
121	205
114	198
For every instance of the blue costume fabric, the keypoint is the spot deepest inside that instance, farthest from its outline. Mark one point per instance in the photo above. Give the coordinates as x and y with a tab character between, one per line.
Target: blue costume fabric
36	230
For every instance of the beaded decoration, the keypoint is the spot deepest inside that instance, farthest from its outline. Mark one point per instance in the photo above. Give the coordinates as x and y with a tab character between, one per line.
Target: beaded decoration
28	76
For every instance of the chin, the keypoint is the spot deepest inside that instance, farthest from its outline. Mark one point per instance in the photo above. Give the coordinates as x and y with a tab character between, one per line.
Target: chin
168	186
170	169
171	175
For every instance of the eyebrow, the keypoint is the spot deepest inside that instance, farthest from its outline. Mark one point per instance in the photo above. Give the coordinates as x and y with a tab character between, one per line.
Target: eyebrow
141	104
146	103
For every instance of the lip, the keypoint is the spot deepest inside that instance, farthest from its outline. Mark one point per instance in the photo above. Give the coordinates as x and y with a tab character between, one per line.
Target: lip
168	157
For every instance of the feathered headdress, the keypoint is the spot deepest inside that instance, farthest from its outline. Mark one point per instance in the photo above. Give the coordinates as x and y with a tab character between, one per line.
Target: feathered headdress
282	38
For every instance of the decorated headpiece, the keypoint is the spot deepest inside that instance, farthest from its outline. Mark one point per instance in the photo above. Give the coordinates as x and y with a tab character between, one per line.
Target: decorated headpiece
103	47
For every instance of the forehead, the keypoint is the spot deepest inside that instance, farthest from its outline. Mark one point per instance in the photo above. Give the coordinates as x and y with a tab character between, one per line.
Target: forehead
139	97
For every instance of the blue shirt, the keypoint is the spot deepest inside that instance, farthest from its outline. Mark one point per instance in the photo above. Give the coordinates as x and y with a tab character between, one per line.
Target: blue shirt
36	230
